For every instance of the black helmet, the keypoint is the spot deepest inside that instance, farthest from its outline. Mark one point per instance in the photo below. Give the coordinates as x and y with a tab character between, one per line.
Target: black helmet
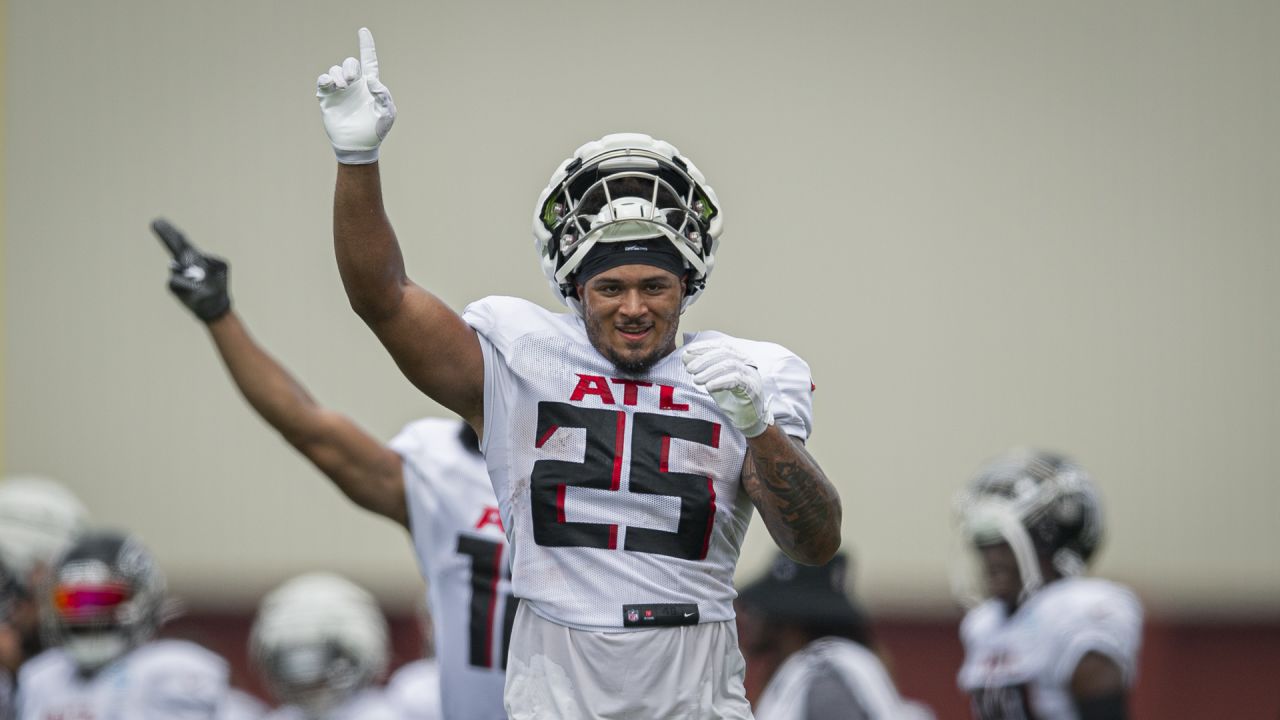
105	598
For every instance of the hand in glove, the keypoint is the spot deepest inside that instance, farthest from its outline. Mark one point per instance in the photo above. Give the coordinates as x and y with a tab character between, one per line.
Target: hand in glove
733	383
357	108
199	280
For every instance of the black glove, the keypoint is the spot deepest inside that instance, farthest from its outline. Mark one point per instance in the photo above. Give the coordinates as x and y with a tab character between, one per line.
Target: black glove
199	280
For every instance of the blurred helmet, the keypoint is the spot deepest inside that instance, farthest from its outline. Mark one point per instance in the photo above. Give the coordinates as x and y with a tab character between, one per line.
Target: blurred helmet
104	597
1040	503
623	188
39	519
318	639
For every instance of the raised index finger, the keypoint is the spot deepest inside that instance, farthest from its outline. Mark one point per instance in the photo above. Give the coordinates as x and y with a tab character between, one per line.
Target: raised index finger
368	55
172	238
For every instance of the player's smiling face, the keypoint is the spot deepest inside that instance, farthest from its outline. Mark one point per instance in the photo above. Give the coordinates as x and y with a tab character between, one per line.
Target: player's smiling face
632	314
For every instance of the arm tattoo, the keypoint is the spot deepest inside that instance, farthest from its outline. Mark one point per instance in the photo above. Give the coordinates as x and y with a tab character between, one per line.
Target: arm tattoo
796	501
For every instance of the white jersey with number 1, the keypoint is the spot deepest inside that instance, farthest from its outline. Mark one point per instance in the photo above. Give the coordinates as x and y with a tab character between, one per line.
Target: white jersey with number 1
462	553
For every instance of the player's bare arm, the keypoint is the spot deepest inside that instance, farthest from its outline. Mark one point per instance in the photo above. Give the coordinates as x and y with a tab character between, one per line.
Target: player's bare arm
1099	689
433	347
365	470
795	499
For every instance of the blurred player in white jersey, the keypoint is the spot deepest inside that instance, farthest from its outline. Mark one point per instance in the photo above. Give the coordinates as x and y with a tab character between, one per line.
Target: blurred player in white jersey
430	479
811	647
320	642
105	601
39	519
625	470
1047	643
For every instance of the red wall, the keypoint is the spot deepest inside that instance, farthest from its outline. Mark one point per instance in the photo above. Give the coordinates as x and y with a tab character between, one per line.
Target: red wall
1188	670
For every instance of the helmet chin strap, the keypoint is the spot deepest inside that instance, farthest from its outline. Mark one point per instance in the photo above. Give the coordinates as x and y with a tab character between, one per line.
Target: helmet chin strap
1024	552
1000	519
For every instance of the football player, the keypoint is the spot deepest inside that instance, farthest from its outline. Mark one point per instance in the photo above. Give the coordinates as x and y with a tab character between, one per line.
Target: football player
1047	643
811	648
320	642
104	603
39	519
625	470
431	479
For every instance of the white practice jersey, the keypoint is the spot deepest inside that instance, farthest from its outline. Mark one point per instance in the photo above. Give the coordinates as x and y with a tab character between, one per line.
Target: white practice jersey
620	494
858	671
414	690
462	553
367	704
162	680
1019	667
241	706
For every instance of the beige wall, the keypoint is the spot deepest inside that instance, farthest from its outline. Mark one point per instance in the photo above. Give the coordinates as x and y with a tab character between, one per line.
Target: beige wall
983	224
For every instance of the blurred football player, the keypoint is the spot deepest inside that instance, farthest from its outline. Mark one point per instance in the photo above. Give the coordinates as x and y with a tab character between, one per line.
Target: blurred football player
1047	643
431	479
625	470
810	648
320	643
39	519
105	600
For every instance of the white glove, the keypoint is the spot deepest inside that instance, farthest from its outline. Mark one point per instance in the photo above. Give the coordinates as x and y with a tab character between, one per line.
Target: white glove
357	108
733	383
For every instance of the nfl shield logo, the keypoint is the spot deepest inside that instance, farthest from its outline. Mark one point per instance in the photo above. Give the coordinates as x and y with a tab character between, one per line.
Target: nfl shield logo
633	616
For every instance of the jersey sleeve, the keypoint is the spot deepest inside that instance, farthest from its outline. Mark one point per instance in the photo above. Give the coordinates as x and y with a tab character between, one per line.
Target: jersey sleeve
792	394
790	384
414	444
502	320
497	322
1105	619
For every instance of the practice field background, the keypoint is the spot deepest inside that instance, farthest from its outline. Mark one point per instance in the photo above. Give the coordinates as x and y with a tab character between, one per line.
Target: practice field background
983	224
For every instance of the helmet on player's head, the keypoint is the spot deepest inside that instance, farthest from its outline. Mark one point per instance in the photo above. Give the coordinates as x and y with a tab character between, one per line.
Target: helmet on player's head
1042	505
104	598
39	519
317	639
625	187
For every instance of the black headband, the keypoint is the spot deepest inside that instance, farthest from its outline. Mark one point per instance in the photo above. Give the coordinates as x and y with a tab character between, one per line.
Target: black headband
657	252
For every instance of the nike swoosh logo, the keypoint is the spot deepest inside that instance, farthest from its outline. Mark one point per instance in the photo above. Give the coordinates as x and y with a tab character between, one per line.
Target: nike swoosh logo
689	614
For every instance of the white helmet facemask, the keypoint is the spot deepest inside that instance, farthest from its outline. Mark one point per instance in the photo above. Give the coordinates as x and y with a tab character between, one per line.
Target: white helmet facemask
623	188
988	521
605	214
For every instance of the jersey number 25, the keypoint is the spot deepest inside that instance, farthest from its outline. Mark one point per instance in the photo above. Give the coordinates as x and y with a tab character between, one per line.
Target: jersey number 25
601	469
